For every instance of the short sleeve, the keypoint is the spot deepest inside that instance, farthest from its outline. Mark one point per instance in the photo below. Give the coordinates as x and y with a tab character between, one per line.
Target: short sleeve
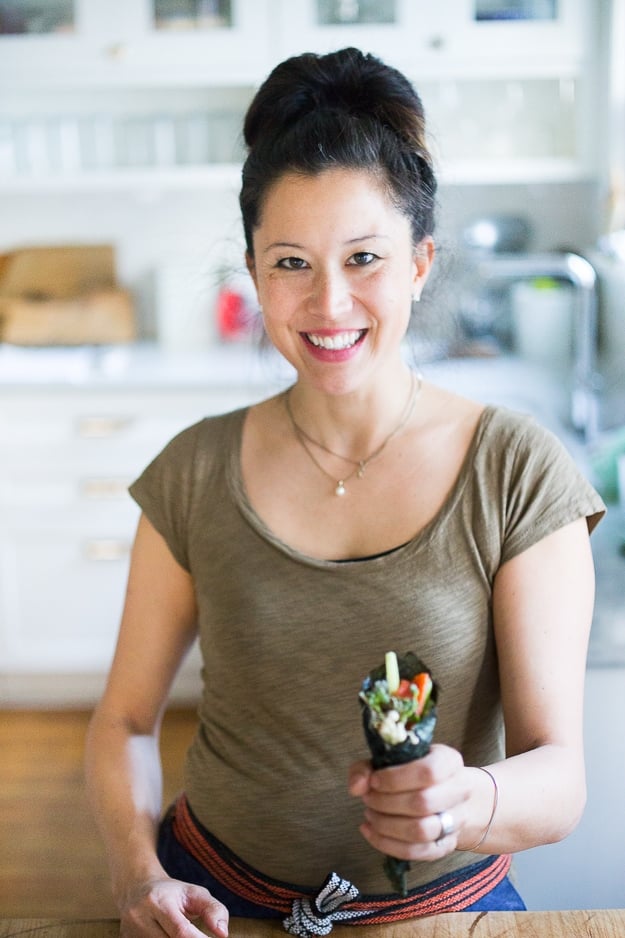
164	490
544	489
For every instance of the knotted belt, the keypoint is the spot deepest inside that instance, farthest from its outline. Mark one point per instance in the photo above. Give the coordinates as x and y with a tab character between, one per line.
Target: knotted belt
338	900
317	916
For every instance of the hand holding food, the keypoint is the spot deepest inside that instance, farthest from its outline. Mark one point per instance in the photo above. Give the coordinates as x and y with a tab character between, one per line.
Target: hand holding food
398	701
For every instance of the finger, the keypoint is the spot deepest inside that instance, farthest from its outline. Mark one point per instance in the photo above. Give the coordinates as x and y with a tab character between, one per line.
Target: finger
426	850
200	904
432	828
402	828
420	802
177	925
440	764
359	778
175	912
215	918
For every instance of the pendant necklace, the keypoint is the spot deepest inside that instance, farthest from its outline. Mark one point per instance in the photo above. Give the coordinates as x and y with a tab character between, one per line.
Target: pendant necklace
360	465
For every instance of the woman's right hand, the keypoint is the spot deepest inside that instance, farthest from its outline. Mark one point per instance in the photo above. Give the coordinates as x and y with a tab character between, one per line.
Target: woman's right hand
170	907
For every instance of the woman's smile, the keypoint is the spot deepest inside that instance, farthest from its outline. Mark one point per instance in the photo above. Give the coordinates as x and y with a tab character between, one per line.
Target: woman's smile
334	342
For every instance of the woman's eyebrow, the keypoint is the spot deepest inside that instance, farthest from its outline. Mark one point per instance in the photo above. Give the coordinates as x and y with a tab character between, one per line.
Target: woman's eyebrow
283	244
294	245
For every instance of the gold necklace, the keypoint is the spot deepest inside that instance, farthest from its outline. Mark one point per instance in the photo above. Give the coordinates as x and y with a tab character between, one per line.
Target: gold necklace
360	464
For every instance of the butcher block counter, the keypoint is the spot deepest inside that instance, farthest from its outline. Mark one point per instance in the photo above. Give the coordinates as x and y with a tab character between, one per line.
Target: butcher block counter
596	923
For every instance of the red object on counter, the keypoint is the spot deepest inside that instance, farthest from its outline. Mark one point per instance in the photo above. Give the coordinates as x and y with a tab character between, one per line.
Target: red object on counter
234	319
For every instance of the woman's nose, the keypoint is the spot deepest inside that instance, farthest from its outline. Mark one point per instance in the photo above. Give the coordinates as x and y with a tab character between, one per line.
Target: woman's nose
331	295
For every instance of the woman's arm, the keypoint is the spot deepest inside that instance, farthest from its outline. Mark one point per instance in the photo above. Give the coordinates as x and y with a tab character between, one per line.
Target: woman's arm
122	758
542	610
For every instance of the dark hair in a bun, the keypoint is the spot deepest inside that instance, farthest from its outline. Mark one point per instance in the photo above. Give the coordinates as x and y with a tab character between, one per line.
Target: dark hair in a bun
340	110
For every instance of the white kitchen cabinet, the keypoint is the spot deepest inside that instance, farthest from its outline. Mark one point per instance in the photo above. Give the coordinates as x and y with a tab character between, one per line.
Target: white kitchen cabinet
500	46
443	39
66	520
115	42
118	104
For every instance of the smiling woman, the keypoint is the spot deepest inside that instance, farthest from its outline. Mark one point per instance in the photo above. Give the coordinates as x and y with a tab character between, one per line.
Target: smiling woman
362	510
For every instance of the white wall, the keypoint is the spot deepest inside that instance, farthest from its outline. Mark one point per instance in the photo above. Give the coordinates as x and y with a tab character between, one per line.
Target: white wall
587	870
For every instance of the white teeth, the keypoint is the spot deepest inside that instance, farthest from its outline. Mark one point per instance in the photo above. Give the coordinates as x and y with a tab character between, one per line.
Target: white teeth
334	342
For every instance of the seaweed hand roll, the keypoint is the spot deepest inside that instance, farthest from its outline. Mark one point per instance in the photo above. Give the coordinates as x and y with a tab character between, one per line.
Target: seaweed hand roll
398	701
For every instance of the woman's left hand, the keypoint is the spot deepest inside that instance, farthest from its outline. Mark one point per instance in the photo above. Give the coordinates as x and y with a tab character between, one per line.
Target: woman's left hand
414	811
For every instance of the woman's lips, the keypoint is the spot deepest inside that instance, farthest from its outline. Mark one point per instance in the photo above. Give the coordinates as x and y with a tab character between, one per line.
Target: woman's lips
334	346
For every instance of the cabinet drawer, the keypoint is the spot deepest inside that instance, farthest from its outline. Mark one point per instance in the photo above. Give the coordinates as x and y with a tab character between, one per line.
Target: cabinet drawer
98	439
29	488
93	417
92	428
62	599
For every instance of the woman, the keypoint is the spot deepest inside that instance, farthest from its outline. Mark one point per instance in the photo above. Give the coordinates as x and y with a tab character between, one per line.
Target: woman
302	538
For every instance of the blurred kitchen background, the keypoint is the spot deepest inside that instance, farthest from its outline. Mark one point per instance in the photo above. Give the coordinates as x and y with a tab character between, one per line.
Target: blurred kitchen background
125	312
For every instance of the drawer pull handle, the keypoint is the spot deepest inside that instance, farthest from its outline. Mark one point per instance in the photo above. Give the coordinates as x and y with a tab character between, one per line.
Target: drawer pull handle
104	488
103	550
96	428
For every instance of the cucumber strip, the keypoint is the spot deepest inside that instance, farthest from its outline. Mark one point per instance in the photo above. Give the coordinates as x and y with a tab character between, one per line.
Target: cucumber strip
392	671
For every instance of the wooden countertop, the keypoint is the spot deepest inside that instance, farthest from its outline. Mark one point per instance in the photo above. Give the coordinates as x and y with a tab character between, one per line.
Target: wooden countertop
594	923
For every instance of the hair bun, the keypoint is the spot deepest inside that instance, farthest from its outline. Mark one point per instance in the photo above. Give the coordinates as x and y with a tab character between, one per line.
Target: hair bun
344	109
347	81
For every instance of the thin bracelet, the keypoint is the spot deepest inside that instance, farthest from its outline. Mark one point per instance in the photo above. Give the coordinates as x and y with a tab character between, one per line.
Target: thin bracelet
492	813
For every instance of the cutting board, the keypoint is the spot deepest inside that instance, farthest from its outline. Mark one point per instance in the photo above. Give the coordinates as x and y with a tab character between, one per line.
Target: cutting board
599	923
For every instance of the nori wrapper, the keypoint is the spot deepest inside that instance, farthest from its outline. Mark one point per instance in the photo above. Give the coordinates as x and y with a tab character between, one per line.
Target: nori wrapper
384	754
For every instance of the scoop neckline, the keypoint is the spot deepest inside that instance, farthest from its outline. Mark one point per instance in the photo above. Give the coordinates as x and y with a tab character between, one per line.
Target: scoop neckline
416	543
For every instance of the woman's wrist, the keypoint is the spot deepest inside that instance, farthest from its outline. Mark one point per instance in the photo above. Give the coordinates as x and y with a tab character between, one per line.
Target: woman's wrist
130	875
491	801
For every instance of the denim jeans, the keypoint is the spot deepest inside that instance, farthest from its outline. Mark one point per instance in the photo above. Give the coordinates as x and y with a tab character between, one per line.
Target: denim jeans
179	864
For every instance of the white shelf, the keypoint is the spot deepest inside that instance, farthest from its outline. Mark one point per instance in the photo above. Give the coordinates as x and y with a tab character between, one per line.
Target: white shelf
511	172
215	176
228	176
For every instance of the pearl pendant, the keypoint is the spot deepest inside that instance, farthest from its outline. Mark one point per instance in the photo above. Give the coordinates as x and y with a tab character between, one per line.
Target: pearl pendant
340	488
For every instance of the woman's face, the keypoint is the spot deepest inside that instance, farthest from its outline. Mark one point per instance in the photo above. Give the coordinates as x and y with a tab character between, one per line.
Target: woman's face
336	270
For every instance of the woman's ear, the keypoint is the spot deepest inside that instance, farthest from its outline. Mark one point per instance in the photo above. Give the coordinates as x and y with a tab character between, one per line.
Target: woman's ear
423	260
251	268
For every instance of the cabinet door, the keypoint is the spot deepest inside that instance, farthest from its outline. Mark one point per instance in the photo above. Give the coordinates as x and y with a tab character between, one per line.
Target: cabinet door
396	30
35	49
113	42
163	46
448	37
539	35
61	594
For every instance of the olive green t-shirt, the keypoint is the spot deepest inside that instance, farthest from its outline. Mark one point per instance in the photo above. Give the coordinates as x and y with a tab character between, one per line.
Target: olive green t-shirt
286	640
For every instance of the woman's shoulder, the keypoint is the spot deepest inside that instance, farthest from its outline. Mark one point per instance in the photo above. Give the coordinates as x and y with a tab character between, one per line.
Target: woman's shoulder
207	431
508	430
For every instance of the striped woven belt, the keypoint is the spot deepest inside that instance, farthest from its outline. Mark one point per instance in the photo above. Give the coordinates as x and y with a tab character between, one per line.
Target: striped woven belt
338	900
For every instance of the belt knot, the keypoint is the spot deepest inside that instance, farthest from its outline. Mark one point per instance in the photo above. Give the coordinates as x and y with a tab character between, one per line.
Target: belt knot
310	917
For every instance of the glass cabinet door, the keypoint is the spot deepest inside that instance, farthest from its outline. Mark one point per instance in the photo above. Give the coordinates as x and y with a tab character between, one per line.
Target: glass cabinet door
539	33
515	10
214	41
192	14
384	27
29	17
355	12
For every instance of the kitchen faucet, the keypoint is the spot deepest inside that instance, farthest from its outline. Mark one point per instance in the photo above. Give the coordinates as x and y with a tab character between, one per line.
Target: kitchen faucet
584	405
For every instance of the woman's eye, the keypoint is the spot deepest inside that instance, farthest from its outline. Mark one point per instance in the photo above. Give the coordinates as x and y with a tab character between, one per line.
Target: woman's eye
292	263
362	258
